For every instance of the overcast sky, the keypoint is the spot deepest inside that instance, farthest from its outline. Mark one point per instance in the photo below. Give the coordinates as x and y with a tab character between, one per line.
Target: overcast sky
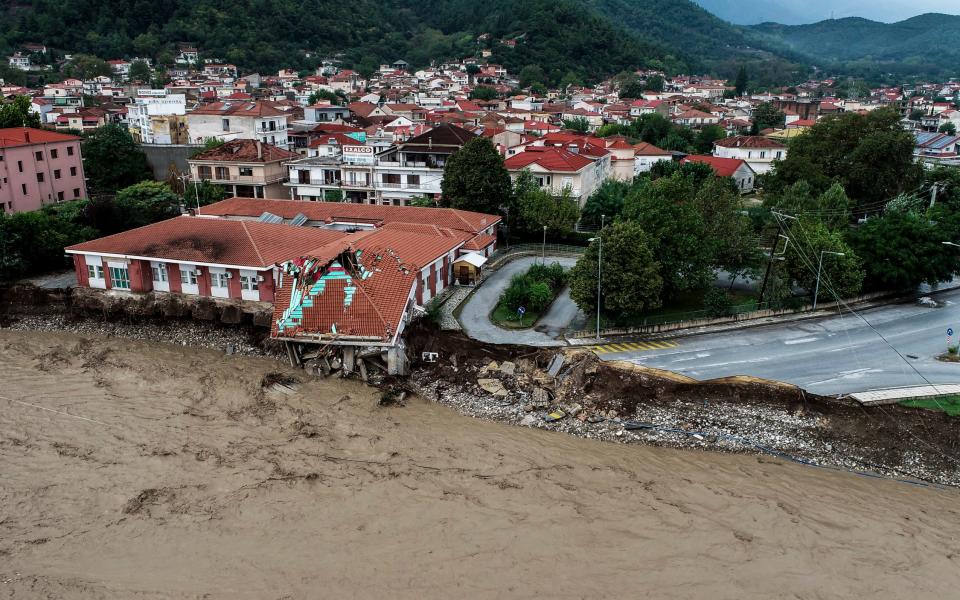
793	12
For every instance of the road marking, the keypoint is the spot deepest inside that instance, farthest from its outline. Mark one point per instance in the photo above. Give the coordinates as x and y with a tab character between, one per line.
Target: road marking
620	347
801	341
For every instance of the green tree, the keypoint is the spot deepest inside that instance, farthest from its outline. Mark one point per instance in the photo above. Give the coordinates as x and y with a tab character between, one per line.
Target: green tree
917	114
140	71
607	200
145	203
630	283
207	192
870	155
578	124
208	144
654	83
112	160
85	66
948	128
32	243
741	82
475	178
538	208
665	211
17	113
707	136
146	44
728	233
902	250
767	116
327	95
531	74
841	276
483	92
653	128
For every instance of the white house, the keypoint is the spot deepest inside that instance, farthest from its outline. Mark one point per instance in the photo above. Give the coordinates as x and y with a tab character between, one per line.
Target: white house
757	151
646	155
229	120
148	115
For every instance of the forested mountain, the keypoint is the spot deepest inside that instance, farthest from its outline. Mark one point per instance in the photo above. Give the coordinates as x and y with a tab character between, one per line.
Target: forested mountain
925	44
569	39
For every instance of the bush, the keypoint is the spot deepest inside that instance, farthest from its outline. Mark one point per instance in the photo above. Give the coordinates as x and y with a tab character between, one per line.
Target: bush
717	303
516	293
539	296
553	275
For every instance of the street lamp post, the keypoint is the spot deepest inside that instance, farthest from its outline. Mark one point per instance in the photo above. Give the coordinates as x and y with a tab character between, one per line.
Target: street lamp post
544	253
599	273
816	290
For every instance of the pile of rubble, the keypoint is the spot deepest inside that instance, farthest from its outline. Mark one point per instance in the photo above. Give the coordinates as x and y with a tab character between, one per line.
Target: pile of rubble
575	393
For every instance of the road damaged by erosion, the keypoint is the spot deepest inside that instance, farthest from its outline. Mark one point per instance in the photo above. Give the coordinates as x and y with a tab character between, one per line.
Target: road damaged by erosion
625	402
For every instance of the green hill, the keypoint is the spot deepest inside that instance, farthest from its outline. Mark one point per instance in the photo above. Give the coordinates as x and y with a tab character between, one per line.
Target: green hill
925	44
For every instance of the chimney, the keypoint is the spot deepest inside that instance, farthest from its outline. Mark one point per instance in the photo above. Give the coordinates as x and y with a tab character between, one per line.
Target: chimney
26	135
259	150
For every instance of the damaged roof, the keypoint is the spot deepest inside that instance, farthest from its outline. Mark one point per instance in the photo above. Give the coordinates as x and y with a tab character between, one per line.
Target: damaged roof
212	241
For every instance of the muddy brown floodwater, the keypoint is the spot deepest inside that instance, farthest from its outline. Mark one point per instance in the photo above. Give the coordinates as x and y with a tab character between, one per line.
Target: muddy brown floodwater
170	472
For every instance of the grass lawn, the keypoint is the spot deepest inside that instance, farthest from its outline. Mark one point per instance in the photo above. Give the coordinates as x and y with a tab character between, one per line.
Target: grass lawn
947	404
504	317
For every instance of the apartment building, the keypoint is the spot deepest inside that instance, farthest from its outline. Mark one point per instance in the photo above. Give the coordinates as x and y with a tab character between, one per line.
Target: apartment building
39	167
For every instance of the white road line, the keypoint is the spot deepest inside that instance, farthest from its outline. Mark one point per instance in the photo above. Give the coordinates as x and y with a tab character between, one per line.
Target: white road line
801	341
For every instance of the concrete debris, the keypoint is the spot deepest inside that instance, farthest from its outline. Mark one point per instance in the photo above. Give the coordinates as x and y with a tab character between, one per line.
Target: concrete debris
508	368
490	368
529	421
540	398
493	386
555	365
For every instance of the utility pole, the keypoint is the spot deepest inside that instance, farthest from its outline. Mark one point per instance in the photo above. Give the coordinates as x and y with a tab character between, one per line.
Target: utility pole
599	273
933	195
773	250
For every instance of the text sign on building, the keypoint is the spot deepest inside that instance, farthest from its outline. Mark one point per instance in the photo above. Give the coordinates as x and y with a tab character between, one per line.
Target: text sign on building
362	155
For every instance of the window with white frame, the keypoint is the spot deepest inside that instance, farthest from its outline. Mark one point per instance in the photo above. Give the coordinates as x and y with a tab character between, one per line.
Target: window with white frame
95	271
188	277
248	283
159	272
218	280
120	278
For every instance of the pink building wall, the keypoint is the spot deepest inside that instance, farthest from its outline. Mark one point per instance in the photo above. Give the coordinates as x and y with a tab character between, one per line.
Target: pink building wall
19	166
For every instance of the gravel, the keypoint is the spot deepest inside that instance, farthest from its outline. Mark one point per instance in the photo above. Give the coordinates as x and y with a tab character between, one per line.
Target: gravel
183	332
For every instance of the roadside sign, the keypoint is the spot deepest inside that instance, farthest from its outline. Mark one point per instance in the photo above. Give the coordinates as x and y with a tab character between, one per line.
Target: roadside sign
949	337
522	311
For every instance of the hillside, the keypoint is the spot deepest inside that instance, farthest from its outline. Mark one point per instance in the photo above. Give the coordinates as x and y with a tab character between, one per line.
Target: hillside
572	40
925	44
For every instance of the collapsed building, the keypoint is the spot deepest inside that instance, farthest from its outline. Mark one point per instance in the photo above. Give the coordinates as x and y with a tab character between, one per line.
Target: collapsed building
344	279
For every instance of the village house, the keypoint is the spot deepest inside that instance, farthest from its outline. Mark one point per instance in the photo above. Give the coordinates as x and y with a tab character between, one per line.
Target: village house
757	151
246	168
646	155
414	168
557	170
228	121
735	168
39	167
157	117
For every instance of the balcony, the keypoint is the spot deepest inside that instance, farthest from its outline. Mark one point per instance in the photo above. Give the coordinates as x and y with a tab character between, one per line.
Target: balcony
279	129
383	185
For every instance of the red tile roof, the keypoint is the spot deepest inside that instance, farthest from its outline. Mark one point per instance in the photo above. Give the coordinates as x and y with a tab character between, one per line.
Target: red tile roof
240	109
722	167
449	218
645	149
749	141
26	136
549	158
213	241
358	287
246	151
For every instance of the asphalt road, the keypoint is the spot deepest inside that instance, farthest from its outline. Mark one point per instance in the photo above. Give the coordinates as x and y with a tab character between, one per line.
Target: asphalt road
475	314
835	355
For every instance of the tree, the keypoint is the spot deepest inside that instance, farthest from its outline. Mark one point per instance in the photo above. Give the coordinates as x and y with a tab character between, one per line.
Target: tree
367	67
654	83
327	95
741	82
32	242
948	128
206	191
707	136
537	208
917	114
84	66
531	74
483	92
630	282
578	124
475	178
665	211
841	276
208	144
870	155
607	200
112	160
766	116
728	233
17	113
901	251
145	203
140	71
653	128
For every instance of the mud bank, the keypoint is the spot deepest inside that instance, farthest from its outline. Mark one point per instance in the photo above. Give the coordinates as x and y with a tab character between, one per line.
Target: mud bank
130	472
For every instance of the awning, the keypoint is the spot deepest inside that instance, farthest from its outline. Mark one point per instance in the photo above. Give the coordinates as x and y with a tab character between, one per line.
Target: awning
472	258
